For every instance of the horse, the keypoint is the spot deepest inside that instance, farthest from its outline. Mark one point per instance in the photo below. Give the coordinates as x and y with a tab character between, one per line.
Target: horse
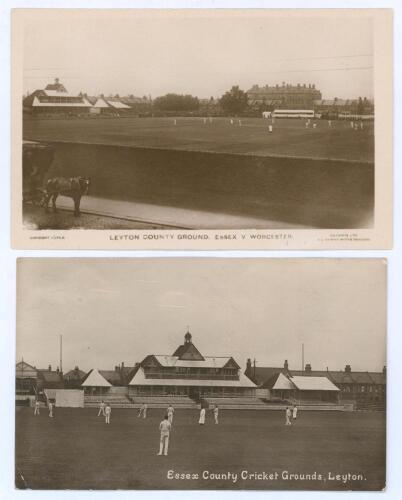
73	187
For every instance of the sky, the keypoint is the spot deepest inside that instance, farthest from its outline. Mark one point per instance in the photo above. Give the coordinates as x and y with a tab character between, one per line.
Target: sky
120	310
141	53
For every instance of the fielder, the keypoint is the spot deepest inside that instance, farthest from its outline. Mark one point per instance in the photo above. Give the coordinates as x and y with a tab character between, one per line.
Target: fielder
37	408
329	123
50	406
164	428
101	409
143	411
294	412
170	411
216	414
288	414
270	129
108	411
201	421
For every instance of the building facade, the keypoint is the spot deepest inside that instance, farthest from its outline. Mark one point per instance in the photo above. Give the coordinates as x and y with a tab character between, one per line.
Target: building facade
55	99
188	373
285	96
365	389
26	379
73	378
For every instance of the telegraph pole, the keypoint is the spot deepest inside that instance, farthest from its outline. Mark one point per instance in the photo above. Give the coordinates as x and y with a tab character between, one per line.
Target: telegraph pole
61	353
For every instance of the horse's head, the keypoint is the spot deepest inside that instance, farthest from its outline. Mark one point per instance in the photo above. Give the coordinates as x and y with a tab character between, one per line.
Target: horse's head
85	182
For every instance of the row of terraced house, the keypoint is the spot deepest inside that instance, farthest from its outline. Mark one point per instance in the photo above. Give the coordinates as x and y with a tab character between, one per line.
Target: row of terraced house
189	379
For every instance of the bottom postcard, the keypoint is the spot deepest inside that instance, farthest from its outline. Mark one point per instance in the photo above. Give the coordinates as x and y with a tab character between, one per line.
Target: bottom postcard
200	373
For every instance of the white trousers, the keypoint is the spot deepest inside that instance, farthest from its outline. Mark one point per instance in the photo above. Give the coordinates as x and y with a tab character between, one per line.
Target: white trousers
36	412
164	444
108	418
170	417
101	411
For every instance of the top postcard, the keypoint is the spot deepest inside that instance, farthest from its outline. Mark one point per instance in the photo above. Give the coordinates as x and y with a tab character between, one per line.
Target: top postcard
202	129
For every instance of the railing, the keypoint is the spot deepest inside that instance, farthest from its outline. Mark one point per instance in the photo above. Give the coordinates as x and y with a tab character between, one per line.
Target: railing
105	397
190	376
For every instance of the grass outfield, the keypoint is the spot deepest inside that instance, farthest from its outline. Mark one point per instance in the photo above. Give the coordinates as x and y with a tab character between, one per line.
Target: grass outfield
77	450
290	137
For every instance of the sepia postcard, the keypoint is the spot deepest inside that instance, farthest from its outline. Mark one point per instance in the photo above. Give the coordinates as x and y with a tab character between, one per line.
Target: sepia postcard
202	129
183	374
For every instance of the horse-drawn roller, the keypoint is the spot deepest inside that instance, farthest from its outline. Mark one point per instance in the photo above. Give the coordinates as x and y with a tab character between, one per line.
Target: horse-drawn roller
37	158
37	188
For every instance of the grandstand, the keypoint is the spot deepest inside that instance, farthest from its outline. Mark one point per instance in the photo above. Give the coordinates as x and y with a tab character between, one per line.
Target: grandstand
187	373
55	98
115	400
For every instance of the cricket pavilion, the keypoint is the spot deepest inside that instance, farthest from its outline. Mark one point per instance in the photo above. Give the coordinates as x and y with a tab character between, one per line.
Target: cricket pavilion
187	373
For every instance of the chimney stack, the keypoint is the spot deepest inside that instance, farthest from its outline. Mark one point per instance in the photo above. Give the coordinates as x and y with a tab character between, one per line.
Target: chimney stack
308	368
348	369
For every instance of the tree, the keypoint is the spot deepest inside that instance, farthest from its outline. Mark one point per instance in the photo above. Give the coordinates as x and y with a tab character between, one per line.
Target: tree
235	101
360	107
176	102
